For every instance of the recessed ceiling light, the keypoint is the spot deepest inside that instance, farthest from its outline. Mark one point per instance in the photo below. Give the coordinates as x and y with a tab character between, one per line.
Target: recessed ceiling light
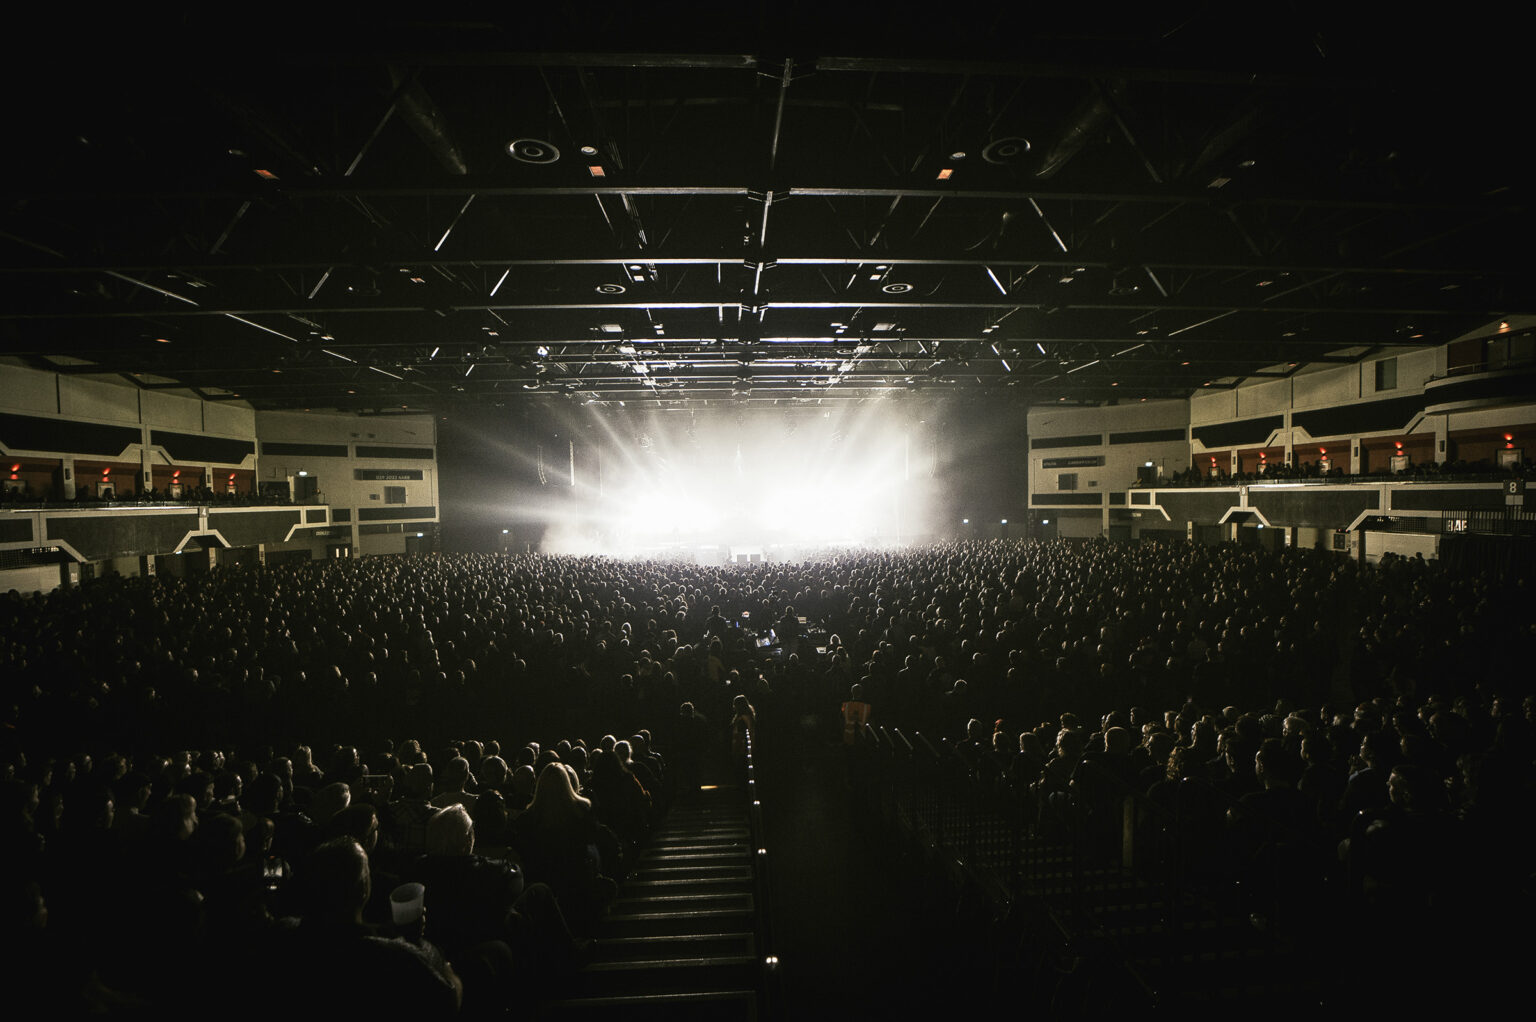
597	171
958	154
946	173
589	150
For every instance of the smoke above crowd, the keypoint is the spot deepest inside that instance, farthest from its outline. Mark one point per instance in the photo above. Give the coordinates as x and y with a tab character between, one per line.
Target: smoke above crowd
729	481
705	482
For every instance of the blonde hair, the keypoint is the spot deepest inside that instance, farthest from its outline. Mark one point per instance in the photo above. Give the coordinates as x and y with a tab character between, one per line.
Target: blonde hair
555	794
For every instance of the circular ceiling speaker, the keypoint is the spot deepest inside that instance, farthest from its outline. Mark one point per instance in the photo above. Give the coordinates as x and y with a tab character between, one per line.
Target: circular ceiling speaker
896	289
610	289
1006	150
532	150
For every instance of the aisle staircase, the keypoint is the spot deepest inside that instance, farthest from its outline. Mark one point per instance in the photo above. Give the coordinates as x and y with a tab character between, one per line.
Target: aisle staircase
681	940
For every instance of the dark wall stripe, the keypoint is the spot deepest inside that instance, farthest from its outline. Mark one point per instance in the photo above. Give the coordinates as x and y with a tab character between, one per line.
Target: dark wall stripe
1117	498
390	514
31	433
411	453
247	528
1050	499
1441	499
1046	443
1515	387
15	530
1370	417
1148	436
1323	509
376	474
1242	432
190	447
304	450
1190	506
99	536
341	514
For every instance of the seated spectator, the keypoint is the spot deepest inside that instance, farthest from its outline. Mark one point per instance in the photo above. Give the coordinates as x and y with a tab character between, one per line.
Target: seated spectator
332	960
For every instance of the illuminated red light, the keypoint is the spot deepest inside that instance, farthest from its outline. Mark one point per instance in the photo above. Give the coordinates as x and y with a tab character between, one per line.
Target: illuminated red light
231	477
1322	450
17	468
597	171
1398	444
1509	436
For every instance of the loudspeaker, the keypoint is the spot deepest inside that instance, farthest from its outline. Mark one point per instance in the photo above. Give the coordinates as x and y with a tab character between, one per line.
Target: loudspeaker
1006	150
532	150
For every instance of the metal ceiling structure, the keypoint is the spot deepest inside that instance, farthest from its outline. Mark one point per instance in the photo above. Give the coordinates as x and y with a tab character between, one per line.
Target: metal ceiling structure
613	206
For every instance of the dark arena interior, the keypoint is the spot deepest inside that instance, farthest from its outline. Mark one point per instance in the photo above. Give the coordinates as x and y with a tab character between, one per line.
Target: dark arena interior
767	512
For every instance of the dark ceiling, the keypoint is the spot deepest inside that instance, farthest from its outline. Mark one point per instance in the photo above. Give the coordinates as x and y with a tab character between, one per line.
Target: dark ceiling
639	206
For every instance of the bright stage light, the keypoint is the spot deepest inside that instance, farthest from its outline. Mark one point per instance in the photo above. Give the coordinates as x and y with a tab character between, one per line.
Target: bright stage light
770	482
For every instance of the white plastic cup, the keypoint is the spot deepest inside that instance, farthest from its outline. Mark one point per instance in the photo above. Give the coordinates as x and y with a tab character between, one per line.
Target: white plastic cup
405	904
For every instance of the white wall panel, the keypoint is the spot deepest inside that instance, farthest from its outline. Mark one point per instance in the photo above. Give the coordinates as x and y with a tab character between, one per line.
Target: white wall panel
224	418
388	543
28	390
166	410
97	400
1404	544
1263	399
41	578
1219	406
1330	387
1082	527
